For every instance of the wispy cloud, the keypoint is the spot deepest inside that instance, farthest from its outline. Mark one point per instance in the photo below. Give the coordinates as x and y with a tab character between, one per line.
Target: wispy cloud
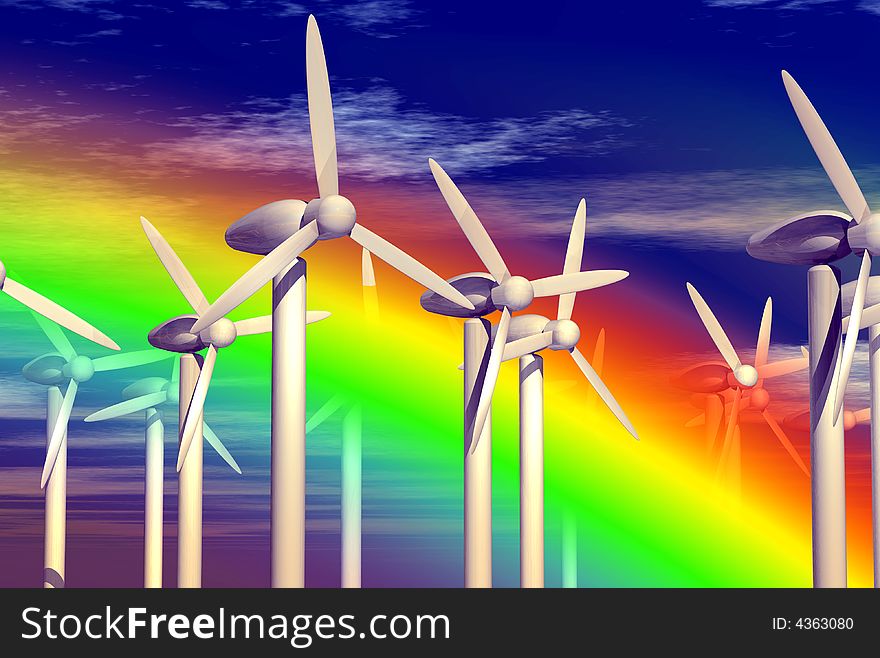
380	137
378	18
870	6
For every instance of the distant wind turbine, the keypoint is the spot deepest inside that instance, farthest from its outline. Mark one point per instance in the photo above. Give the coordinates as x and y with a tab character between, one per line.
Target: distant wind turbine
180	336
147	396
53	370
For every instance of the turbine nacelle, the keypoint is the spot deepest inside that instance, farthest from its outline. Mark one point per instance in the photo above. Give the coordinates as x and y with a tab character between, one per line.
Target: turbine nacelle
175	335
334	214
703	379
146	386
477	287
263	229
816	238
45	370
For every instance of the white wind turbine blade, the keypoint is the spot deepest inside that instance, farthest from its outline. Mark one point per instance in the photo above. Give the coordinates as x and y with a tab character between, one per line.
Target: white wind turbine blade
58	432
263	323
127	407
699	419
252	326
786	443
722	342
826	150
470	224
196	405
598	362
403	262
327	409
175	372
863	415
784	367
574	255
259	275
215	442
321	113
597	383
56	313
727	445
528	345
849	345
368	274
56	336
184	281
491	377
762	348
576	282
870	317
130	360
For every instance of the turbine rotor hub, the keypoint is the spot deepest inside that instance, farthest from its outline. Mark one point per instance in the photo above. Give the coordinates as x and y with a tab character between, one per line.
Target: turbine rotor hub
759	399
516	293
173	393
745	376
80	369
220	334
566	334
335	215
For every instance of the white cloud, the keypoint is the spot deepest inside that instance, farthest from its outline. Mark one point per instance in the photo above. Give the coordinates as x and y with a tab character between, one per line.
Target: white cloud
380	137
870	6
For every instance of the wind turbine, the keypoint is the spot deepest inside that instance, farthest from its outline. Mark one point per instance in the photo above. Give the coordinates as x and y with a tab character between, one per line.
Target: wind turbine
180	336
818	239
498	290
147	395
56	491
53	370
745	381
871	320
282	231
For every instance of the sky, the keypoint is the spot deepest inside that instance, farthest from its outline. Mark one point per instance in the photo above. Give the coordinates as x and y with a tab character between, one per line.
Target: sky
672	122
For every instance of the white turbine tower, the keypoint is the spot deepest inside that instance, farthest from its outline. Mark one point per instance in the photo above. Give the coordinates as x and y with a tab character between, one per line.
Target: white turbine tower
283	230
870	320
569	531
147	396
817	239
180	336
54	370
352	485
498	290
